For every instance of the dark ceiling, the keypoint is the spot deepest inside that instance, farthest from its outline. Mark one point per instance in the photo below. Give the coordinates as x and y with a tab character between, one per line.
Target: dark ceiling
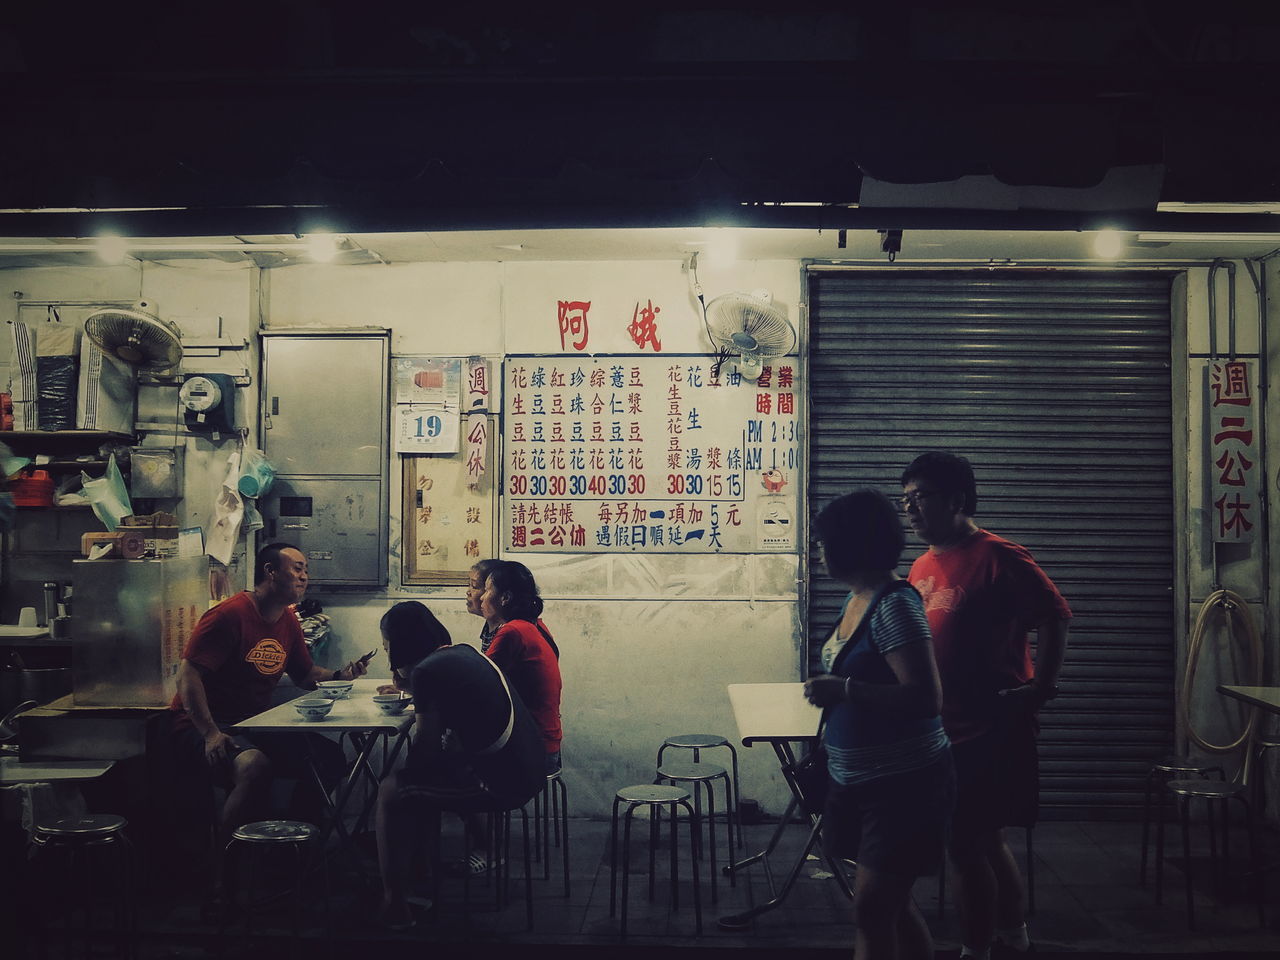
265	117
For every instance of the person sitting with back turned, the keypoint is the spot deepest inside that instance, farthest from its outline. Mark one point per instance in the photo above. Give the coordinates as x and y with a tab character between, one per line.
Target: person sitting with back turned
477	749
892	783
419	632
231	664
982	595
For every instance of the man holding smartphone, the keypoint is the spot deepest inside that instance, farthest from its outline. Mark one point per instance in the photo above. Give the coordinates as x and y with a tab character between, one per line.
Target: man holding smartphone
230	667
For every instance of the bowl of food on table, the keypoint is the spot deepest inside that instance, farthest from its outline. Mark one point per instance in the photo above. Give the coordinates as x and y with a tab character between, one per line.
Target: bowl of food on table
392	704
335	689
313	708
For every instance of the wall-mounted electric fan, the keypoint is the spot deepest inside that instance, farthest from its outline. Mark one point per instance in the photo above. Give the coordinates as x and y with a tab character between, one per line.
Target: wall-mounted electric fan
746	329
136	336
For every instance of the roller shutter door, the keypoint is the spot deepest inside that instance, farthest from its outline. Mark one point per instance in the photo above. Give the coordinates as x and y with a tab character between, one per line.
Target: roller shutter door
1056	385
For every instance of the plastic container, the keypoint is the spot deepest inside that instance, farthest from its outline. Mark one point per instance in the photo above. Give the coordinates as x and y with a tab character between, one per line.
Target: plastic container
32	488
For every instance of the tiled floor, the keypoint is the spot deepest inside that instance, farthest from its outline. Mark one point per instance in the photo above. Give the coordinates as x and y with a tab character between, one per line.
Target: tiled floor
1088	902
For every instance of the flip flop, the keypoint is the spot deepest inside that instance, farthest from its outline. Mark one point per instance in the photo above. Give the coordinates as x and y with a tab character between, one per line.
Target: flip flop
476	864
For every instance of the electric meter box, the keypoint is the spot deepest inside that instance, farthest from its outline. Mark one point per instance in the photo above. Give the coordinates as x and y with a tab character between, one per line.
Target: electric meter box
325	429
208	402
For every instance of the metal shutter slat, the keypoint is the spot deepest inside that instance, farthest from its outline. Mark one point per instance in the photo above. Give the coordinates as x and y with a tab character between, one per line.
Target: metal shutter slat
1048	381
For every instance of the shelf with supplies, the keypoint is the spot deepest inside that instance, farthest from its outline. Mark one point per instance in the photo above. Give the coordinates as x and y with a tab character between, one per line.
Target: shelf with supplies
20	440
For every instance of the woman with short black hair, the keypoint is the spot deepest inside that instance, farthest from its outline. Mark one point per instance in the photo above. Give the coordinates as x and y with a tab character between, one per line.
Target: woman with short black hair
892	784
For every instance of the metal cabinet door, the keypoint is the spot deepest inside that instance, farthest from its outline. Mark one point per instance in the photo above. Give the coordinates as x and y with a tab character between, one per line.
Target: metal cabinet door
325	405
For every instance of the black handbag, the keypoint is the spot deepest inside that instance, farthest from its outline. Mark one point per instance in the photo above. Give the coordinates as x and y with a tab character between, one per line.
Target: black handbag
812	779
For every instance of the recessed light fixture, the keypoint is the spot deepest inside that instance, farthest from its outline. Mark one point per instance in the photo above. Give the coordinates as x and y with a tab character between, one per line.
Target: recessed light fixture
322	247
111	248
1108	244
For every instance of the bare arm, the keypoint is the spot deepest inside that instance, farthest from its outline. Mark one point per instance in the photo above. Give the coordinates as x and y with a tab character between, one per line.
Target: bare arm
356	668
1051	650
196	701
918	692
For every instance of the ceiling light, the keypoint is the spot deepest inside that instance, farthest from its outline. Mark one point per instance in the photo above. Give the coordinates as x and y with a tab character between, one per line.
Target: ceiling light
322	247
1209	237
111	248
1108	244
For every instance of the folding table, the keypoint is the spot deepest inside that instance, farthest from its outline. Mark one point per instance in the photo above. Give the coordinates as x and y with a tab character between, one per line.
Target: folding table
355	715
778	714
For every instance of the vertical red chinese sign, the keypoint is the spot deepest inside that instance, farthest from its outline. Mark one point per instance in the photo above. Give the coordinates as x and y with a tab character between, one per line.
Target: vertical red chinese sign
1234	464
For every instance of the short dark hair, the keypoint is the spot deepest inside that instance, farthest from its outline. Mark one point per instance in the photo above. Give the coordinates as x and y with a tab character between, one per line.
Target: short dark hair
412	632
948	473
860	533
517	591
268	556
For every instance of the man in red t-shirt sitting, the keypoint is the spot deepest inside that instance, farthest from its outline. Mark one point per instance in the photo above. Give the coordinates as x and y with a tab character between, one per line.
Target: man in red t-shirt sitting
982	596
232	663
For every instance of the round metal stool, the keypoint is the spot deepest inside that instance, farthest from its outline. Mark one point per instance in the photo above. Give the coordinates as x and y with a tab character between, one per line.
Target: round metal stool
255	840
1211	791
78	861
654	797
704	775
551	815
697	742
1165	769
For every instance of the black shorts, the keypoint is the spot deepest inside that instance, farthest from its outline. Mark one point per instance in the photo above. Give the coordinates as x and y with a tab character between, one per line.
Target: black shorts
896	824
997	781
288	753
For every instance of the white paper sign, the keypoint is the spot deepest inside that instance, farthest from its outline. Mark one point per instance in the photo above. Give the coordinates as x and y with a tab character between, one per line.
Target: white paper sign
1234	463
479	385
425	429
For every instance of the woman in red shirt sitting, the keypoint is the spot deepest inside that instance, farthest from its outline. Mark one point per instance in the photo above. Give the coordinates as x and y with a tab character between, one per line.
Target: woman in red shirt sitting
522	646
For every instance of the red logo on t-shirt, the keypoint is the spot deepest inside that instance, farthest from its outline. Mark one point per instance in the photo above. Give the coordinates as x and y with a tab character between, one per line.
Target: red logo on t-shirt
267	656
946	599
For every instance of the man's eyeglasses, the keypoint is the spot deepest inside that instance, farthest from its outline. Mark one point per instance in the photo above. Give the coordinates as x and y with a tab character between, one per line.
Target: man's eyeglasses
915	498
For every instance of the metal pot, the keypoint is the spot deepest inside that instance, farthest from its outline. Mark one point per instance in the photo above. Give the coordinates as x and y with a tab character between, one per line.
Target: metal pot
38	685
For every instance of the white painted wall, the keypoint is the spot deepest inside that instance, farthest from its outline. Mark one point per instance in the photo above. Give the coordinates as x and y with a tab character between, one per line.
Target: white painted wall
649	642
1242	569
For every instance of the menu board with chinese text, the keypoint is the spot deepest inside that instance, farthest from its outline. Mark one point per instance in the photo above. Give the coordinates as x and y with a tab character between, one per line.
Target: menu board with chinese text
649	454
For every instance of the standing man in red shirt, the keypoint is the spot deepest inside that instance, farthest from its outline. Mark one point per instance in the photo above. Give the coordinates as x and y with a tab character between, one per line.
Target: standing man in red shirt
982	596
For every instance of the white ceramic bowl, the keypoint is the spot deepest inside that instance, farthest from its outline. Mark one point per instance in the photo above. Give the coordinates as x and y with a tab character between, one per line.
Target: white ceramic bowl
334	689
313	708
392	704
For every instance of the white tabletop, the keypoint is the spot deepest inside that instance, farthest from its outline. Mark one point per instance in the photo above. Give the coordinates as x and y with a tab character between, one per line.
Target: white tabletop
773	711
356	712
12	770
1268	698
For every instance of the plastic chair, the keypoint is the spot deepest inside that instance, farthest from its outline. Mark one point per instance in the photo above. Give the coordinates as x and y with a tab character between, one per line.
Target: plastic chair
654	797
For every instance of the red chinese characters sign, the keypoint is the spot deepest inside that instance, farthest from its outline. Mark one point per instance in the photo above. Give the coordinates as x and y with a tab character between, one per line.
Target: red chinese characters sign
648	453
1233	461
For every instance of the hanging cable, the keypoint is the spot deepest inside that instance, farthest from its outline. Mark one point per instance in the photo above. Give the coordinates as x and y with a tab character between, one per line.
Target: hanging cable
1234	607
